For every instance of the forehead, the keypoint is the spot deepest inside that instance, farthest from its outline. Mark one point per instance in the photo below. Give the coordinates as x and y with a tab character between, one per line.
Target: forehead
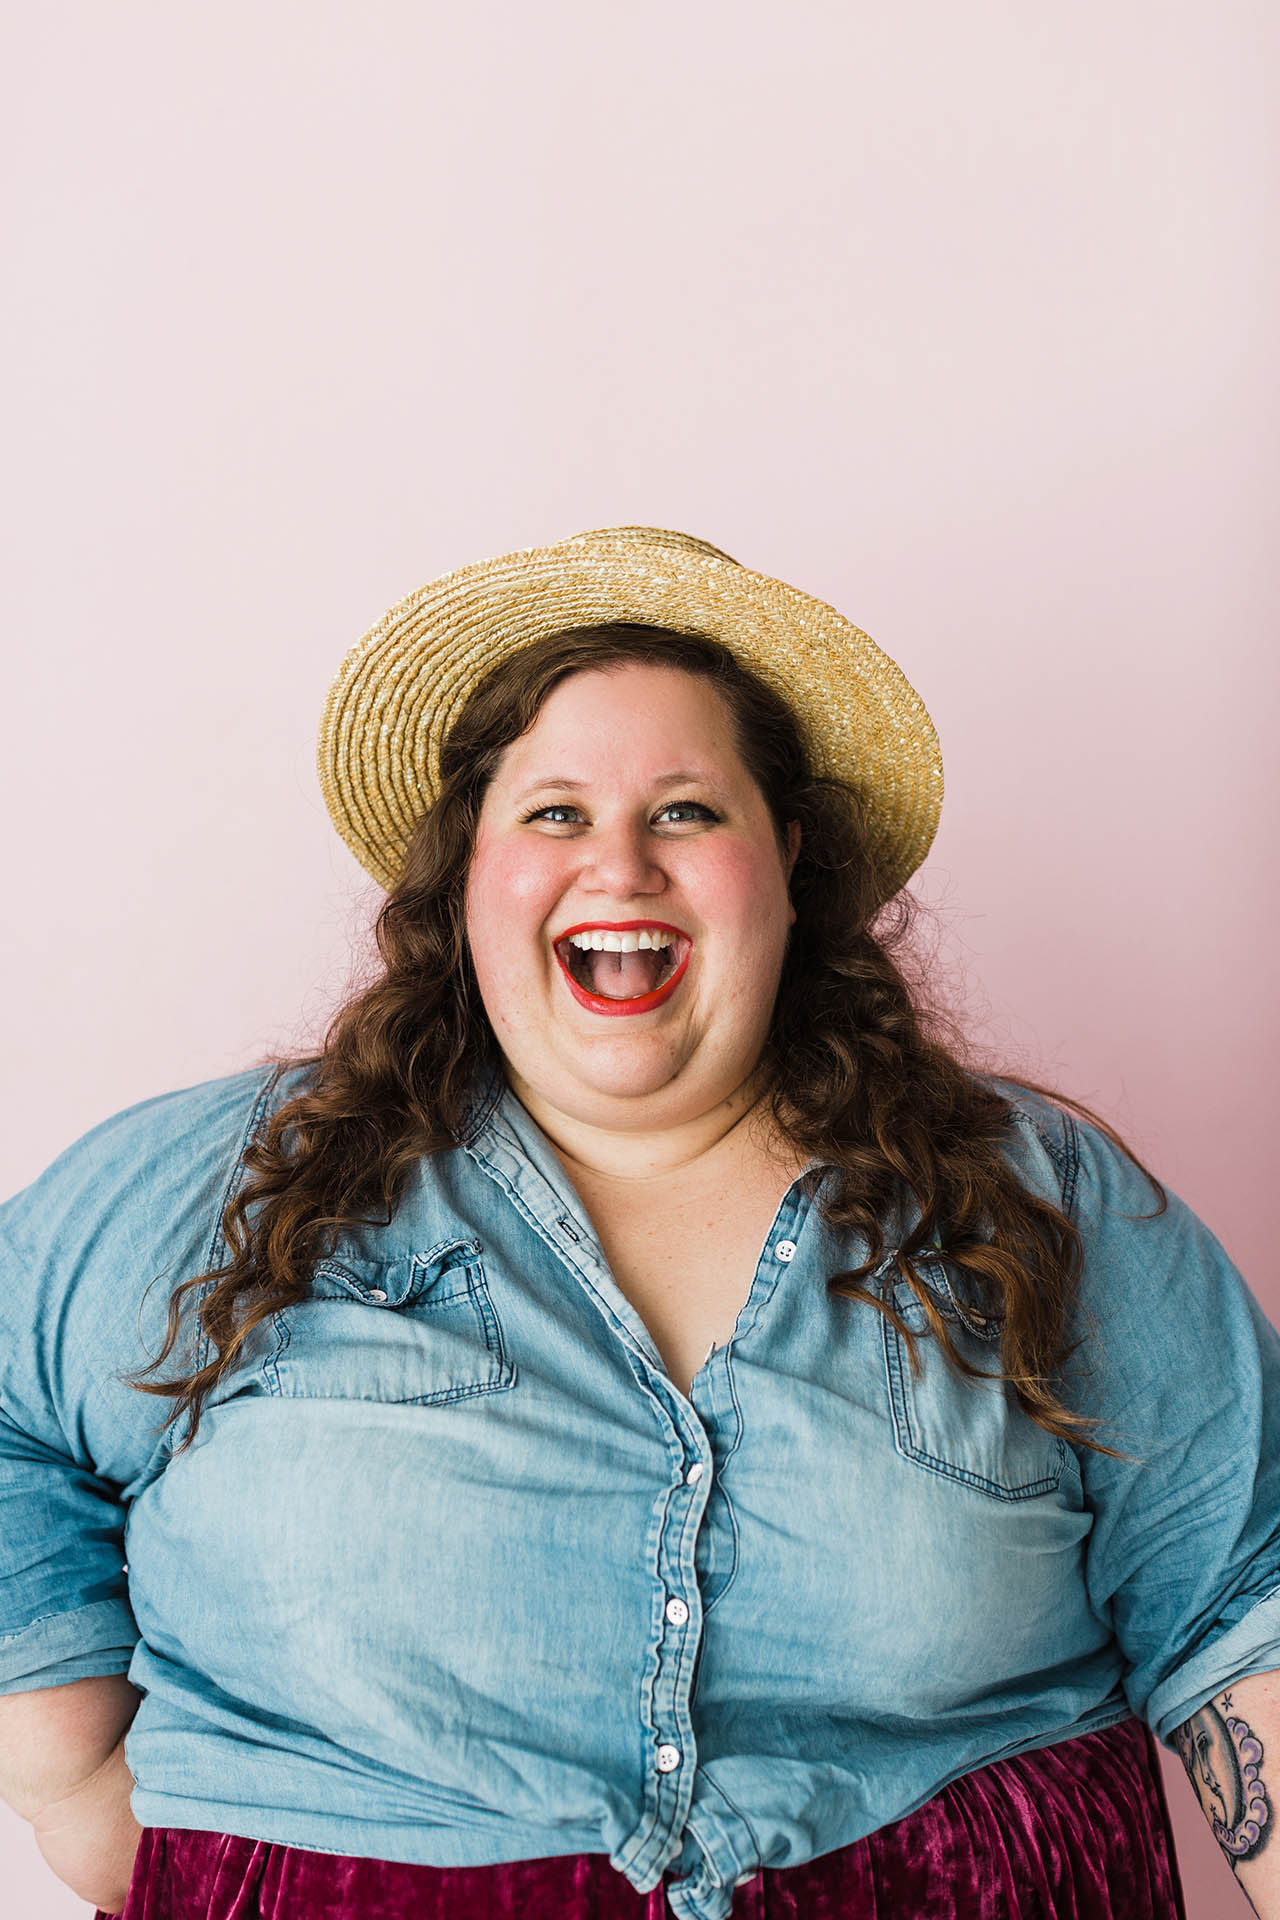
632	719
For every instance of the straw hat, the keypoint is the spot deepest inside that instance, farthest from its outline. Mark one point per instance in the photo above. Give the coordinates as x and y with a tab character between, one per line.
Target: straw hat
400	688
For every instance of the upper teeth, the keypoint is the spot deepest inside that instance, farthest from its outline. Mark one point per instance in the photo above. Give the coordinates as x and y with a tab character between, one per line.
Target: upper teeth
622	942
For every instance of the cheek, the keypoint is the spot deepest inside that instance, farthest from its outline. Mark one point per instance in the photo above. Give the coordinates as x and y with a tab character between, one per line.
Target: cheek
748	900
737	891
507	893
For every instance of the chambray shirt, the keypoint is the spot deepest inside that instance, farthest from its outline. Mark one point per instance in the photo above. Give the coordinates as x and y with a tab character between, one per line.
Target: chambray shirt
454	1574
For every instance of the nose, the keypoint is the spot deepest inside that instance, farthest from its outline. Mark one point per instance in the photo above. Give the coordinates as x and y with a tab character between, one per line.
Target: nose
623	860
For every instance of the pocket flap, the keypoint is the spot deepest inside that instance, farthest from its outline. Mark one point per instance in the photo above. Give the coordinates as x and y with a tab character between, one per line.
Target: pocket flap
953	1291
437	1277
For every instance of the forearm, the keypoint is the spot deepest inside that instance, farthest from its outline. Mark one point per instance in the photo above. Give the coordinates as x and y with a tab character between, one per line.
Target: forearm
62	1767
53	1739
89	1837
1231	1751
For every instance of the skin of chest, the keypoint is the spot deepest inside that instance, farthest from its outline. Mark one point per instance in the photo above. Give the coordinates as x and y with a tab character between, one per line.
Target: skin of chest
684	1253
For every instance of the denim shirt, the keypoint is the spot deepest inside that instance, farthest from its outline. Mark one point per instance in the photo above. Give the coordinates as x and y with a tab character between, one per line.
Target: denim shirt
454	1574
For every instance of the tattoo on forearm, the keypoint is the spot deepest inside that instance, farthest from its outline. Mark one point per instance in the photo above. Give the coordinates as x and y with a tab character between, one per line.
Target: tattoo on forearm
1223	1758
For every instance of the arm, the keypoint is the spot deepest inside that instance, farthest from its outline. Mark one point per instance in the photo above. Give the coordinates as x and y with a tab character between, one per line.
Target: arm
62	1768
53	1738
89	1254
1180	1363
90	1837
1231	1751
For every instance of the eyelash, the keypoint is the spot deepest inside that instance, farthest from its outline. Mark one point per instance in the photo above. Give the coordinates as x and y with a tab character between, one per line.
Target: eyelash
562	807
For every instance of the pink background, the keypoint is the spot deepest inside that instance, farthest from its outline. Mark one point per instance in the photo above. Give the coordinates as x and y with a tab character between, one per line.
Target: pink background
956	317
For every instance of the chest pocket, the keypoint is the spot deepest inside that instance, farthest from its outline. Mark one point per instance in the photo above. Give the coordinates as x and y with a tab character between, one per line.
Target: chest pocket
968	1430
420	1329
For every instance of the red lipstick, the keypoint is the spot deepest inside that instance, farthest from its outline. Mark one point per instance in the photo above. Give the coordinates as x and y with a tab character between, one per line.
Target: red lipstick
600	1003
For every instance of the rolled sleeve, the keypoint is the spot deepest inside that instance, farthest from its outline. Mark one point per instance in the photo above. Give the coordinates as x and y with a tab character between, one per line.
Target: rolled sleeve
1251	1646
64	1599
1182	1366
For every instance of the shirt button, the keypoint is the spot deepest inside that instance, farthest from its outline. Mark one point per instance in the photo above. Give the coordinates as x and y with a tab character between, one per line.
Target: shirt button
694	1474
743	1878
785	1250
668	1758
377	1293
677	1612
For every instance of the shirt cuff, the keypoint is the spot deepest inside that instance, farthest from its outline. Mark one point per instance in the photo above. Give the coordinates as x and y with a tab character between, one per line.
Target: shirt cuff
95	1639
1251	1646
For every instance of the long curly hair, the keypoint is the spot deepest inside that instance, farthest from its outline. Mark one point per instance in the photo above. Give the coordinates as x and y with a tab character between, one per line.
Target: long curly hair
863	1064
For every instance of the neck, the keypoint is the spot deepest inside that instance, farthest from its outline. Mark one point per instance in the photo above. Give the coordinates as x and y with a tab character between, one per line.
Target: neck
736	1127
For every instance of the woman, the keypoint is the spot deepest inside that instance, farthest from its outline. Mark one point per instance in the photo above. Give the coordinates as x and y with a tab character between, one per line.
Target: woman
656	1430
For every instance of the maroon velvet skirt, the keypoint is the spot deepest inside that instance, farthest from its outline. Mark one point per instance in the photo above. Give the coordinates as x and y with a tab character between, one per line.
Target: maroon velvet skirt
1076	1831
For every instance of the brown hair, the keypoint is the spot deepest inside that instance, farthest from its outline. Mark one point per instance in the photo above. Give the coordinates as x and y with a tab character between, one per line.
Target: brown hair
864	1066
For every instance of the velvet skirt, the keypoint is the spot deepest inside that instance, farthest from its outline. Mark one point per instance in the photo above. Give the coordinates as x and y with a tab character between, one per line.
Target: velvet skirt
1075	1831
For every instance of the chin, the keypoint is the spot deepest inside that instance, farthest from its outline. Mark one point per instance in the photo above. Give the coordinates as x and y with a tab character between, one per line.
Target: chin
629	1080
601	1079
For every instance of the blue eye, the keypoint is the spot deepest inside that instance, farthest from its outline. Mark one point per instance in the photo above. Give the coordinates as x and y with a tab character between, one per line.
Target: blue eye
696	805
540	813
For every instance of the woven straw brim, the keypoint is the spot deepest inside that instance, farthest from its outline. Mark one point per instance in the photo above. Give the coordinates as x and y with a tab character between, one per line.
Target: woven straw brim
404	682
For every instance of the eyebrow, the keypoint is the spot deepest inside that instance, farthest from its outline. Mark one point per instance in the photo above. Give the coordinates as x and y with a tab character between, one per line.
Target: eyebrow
675	779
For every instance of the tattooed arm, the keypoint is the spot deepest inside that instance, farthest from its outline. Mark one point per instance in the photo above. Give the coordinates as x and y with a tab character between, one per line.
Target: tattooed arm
1231	1751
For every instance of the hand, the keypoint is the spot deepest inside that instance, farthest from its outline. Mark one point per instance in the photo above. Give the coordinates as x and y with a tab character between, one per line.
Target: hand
90	1836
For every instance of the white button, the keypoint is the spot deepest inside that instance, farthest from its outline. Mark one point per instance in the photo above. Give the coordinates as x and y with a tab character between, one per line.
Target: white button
668	1757
694	1474
743	1878
377	1293
677	1612
785	1250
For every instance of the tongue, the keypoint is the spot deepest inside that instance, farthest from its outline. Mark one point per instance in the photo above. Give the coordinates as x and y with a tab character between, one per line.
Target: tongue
625	976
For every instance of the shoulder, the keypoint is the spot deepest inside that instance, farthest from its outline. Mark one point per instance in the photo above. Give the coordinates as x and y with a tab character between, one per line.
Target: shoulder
1096	1175
1043	1144
91	1250
1145	1249
139	1170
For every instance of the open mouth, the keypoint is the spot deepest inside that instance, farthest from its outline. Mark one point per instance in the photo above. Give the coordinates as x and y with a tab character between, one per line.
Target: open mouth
609	981
594	973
